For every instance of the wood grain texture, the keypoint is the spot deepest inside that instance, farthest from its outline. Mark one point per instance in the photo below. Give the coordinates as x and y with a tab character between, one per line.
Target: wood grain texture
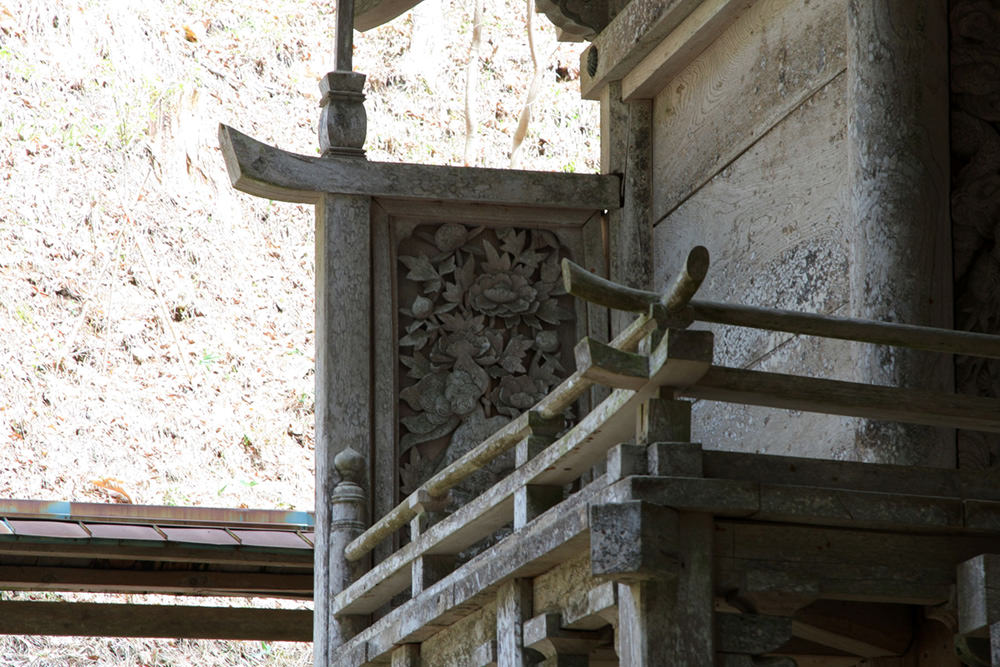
772	223
680	47
385	399
632	33
899	181
792	392
514	607
343	385
265	171
772	58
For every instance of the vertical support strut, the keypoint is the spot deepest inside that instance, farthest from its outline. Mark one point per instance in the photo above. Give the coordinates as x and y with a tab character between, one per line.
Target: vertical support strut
343	395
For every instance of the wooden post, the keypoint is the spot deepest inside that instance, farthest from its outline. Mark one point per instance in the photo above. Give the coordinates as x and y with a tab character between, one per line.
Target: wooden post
626	148
514	605
661	558
344	521
899	179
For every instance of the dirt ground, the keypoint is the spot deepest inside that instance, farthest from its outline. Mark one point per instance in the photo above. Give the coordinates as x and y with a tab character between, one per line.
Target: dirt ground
156	327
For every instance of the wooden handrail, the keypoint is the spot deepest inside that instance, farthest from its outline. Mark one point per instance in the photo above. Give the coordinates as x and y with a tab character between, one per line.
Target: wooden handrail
586	285
507	437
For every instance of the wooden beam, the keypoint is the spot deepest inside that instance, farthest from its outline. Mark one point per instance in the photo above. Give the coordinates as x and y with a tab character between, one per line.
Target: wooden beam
912	406
144	551
190	582
370	14
679	359
844	328
269	172
868	630
681	46
174	621
609	366
632	33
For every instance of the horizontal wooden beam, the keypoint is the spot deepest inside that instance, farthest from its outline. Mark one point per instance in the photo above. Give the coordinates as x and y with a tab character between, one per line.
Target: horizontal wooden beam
272	173
834	397
162	552
595	289
684	44
845	328
370	14
172	581
130	620
632	33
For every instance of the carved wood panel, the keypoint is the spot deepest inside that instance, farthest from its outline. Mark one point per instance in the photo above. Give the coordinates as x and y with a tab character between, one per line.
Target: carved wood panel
480	327
975	203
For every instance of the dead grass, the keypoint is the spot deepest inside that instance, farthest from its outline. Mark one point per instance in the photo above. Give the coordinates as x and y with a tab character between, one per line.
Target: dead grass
155	325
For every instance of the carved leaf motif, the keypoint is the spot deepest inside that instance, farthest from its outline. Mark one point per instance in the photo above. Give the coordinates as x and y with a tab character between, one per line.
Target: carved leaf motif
495	262
467	274
418	364
511	361
472	334
550	311
412	439
420	268
416	339
551	272
512	242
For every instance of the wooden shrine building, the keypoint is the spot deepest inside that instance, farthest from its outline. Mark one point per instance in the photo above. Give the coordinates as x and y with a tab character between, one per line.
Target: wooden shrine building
733	401
724	483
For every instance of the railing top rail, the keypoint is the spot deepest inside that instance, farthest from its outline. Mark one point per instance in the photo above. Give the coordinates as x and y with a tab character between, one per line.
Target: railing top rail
675	307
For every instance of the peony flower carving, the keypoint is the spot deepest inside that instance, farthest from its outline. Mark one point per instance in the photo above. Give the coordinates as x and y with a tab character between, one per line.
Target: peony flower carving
479	331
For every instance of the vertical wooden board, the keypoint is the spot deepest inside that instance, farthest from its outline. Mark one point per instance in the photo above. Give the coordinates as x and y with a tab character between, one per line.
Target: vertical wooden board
774	223
595	260
385	457
343	382
774	56
514	607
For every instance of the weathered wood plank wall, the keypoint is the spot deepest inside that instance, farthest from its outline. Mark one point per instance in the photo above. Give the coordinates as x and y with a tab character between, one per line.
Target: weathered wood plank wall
766	149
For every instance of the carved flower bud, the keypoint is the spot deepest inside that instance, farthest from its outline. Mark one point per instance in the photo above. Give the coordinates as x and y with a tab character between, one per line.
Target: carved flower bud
449	237
547	341
422	308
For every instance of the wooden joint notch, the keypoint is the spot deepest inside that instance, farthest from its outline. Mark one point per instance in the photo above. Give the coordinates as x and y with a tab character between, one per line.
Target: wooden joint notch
544	633
422	501
406	655
427	510
542	431
533	500
609	366
427	570
634	541
663	419
675	459
625	460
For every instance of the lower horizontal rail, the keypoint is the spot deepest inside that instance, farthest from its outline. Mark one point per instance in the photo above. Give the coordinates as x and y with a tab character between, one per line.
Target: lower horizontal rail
90	619
792	392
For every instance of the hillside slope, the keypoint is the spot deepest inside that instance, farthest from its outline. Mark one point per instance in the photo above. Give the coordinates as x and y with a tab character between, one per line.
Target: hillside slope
156	326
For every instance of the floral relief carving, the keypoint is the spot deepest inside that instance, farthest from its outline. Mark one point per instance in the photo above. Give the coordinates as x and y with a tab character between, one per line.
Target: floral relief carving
480	325
975	204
